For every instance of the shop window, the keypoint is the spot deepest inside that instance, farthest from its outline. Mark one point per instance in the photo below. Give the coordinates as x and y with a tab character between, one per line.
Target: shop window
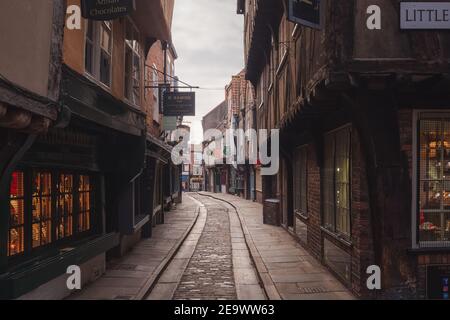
45	209
301	181
132	64
85	201
336	182
65	206
98	50
434	181
16	237
41	205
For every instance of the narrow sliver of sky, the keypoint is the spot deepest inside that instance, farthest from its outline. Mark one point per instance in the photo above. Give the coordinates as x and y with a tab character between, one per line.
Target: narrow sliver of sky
208	37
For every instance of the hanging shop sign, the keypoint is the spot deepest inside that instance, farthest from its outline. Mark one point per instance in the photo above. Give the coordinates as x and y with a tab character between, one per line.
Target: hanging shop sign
438	277
424	15
103	10
306	12
177	104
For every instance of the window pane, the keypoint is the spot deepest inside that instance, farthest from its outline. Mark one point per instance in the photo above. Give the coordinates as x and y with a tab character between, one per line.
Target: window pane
65	206
41	209
85	197
128	72
342	187
105	39
434	226
89	47
17	212
16	241
328	183
105	68
136	78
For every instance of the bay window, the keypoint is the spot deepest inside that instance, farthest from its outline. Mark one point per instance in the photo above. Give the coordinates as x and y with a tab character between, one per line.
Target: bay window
433	180
47	206
336	182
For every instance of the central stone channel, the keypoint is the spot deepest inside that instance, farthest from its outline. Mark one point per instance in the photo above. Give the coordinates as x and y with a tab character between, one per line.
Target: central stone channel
209	275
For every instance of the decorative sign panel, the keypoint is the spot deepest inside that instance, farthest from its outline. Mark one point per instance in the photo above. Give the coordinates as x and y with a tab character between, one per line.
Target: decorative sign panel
103	10
179	104
425	15
306	12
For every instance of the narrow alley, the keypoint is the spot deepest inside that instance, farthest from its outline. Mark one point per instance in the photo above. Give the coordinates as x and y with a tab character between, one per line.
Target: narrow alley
243	150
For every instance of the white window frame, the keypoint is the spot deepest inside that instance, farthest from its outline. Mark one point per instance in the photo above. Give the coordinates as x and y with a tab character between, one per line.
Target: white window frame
96	52
135	51
415	181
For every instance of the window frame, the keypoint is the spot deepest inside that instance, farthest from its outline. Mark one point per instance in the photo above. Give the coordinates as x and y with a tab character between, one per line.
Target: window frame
130	99
415	212
95	75
334	230
28	174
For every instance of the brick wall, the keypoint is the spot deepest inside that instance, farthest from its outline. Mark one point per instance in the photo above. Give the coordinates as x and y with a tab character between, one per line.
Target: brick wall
314	208
361	250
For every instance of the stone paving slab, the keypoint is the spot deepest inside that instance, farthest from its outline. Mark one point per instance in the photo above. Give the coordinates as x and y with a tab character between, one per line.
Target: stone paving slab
132	275
287	269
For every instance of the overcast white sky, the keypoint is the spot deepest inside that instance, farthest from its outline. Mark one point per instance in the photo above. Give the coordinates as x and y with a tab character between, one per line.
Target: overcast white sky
208	36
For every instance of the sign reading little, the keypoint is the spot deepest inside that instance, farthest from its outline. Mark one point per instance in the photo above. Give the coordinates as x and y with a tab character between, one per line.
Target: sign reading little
425	15
306	12
179	104
103	10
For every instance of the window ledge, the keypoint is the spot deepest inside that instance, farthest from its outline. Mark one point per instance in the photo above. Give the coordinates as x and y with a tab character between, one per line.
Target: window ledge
302	216
418	251
140	222
337	237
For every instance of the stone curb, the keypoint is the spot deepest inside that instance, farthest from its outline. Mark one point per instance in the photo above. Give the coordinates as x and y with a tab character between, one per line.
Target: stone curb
264	276
151	282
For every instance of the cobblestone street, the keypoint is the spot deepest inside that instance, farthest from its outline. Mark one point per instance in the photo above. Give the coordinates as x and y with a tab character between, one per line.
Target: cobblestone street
230	254
209	274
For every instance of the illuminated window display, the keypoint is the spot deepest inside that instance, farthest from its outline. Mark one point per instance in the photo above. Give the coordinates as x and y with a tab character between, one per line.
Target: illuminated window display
84	196
52	206
65	206
17	213
336	182
434	181
41	209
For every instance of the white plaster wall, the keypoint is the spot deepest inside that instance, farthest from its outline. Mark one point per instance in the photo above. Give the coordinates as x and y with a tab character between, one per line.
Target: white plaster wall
25	35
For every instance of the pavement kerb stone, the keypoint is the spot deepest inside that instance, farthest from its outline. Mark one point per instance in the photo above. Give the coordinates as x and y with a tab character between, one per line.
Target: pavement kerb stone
268	284
150	283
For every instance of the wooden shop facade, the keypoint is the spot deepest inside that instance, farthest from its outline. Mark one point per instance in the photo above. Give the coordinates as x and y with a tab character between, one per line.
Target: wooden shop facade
80	177
364	119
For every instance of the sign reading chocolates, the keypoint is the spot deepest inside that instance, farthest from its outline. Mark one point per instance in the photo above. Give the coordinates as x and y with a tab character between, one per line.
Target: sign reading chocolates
438	278
425	15
306	12
103	10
